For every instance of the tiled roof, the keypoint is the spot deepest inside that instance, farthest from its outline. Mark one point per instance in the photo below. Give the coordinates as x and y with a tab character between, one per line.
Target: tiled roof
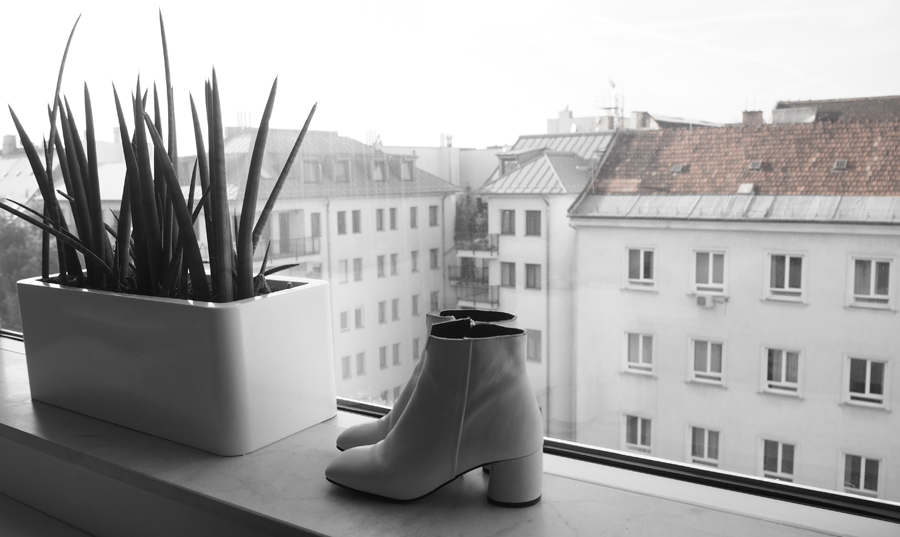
863	109
325	149
551	173
793	160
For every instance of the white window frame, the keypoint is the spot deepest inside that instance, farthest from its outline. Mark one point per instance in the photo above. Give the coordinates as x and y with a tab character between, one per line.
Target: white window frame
782	386
359	318
706	376
864	461
640	283
382	357
787	294
778	474
710	288
640	367
511	281
395	350
641	422
856	399
871	300
380	265
704	459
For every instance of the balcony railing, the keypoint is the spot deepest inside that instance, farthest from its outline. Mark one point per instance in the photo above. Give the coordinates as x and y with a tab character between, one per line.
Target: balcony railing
472	275
487	243
478	294
289	248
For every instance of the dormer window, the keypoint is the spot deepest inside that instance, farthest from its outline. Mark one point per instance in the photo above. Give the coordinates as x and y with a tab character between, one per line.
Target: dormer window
378	170
840	165
407	170
312	171
755	166
677	169
342	171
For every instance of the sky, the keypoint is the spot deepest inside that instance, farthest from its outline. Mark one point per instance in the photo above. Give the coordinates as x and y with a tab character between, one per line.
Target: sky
483	71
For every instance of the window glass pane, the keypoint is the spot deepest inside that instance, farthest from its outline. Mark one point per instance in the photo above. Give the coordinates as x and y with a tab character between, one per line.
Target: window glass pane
882	277
718	268
778	271
871	478
648	265
645	432
793	367
876	379
702	267
857	375
634	264
715	365
648	349
770	456
852	465
862	277
699	356
796	272
774	365
787	459
633	348
713	448
631	427
697	438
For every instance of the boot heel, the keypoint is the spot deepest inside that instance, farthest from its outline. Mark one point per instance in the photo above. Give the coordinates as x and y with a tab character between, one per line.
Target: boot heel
517	482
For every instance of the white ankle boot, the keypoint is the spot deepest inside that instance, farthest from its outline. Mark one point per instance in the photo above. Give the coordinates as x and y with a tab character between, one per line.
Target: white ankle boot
472	405
369	433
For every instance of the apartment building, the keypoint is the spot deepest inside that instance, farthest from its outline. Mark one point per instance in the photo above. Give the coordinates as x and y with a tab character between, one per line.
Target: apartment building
524	263
737	301
370	223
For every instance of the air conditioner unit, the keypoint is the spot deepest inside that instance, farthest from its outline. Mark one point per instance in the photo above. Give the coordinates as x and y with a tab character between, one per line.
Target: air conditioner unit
705	301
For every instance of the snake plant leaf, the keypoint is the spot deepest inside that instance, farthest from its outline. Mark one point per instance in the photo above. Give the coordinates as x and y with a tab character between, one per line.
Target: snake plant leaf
73	179
245	245
189	239
59	78
170	93
279	268
123	232
219	200
67	238
276	190
98	235
150	225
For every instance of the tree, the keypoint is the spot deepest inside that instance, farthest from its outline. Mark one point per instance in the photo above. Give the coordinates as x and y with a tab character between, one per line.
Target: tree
20	257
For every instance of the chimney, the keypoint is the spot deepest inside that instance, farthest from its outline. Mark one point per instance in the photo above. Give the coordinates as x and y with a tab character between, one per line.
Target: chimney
9	145
753	118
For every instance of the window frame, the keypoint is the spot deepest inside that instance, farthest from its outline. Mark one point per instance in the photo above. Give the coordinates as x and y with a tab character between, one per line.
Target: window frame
379	263
785	294
705	460
641	283
764	382
848	399
392	218
530	224
508	222
382	357
434	258
710	288
395	354
857	301
345	320
508	277
414	261
533	281
379	219
382	311
639	368
707	376
357	269
343	270
341	222
360	363
356	220
861	491
433	215
534	348
779	475
413	217
346	165
639	446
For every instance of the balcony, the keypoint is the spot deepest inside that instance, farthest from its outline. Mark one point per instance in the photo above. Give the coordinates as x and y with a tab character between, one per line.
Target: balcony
471	275
479	247
295	248
476	295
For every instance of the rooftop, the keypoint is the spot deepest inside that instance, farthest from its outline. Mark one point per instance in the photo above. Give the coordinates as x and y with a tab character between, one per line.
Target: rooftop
860	109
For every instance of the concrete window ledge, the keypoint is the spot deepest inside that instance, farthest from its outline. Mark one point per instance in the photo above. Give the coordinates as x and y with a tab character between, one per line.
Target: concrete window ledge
108	480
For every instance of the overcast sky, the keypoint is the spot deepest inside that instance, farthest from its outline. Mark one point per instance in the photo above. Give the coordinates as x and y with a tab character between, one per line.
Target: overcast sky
482	71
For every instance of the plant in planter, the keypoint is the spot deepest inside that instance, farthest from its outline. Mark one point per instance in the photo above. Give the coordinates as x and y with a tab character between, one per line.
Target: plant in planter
142	334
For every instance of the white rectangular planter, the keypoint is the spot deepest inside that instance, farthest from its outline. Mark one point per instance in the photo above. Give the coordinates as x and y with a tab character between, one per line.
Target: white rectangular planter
226	378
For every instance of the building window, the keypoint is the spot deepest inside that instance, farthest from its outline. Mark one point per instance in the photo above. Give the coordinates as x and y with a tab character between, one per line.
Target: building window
507	222
871	282
380	264
360	363
395	350
415	305
407	170
396	392
707	361
384	397
392	217
704	446
782	371
532	276
357	221
357	269
415	349
358	314
861	475
785	276
533	223
342	171
395	309
315	224
415	261
640	267
382	357
435	301
507	274
637	434
710	273
378	170
433	254
433	215
533	353
778	460
312	171
393	264
639	356
343	271
382	312
342	222
866	381
379	219
413	217
345	367
345	321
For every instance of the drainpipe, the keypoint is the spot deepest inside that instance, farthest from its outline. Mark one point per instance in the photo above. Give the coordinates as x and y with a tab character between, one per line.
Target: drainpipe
549	331
574	402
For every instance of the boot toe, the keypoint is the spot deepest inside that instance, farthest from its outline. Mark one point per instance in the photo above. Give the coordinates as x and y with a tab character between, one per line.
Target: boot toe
364	434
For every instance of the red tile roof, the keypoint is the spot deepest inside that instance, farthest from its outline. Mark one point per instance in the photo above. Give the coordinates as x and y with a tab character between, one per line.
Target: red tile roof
795	160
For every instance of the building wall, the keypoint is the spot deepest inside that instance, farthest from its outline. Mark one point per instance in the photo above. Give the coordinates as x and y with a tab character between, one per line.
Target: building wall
824	328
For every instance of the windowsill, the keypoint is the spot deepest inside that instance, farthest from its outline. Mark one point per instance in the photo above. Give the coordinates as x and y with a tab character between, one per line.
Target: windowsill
710	383
74	467
870	307
865	406
779	393
782	300
647	289
638	372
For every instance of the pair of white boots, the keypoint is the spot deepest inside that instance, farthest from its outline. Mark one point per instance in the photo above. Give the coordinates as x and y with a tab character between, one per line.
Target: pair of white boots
468	404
